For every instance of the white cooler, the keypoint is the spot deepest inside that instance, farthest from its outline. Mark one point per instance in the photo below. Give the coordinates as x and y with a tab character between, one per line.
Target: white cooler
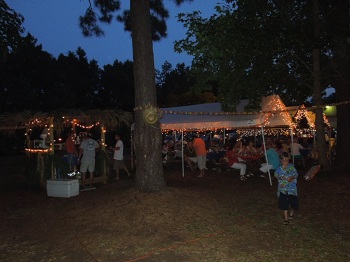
62	187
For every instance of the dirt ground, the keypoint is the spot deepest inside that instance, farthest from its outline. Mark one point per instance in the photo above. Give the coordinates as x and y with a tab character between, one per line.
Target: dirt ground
215	218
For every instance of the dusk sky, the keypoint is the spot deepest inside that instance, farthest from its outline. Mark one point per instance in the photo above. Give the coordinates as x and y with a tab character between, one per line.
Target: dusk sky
55	24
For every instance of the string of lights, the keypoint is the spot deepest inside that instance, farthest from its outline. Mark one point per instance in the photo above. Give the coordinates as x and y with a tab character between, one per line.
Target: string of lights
280	110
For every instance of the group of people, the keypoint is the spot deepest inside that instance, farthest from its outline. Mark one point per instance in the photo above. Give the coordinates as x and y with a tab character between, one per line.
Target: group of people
233	155
86	156
278	160
195	153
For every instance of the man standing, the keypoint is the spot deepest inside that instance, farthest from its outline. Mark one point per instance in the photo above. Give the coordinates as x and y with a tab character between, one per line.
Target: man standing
88	150
201	152
118	157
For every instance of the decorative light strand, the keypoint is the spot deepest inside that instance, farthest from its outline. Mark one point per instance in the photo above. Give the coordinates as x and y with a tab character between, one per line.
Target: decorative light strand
87	127
279	108
31	150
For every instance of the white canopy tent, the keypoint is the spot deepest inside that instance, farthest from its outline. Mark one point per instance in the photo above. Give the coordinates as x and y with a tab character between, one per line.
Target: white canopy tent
210	116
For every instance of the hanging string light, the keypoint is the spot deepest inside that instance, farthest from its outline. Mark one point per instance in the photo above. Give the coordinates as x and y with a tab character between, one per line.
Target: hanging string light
36	150
87	127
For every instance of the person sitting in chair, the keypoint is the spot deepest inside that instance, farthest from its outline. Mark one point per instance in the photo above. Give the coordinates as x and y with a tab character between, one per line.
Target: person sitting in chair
233	160
273	160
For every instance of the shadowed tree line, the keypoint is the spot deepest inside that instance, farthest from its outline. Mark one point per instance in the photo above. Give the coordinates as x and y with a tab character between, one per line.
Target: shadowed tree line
32	79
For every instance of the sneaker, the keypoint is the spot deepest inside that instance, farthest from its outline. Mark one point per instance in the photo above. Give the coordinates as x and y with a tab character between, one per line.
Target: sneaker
250	174
262	176
243	178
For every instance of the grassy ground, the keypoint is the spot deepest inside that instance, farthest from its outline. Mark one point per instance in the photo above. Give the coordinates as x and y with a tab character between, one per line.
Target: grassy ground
216	218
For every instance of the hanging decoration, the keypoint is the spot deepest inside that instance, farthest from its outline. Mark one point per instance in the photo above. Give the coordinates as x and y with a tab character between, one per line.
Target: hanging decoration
86	127
303	114
151	115
269	132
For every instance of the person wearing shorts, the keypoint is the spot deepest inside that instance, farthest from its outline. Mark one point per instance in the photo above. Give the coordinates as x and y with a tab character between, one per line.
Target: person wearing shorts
87	154
118	157
201	153
287	192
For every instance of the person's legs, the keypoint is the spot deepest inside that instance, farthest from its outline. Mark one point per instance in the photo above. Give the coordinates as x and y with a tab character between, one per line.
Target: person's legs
291	214
201	160
125	168
83	178
91	178
294	204
127	171
116	167
91	169
193	161
285	213
241	166
189	163
83	170
283	204
264	167
202	172
117	173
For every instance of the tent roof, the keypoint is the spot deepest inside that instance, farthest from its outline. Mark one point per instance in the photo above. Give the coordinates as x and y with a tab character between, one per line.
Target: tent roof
300	111
211	116
27	119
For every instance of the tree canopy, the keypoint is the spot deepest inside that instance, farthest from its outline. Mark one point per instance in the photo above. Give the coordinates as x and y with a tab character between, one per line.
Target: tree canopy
256	48
10	29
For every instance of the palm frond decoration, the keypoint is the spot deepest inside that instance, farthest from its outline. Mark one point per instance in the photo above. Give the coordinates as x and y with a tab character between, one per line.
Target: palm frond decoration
64	117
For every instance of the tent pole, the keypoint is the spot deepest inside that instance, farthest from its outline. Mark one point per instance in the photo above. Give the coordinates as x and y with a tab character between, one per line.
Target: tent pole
182	153
224	137
254	136
267	161
292	139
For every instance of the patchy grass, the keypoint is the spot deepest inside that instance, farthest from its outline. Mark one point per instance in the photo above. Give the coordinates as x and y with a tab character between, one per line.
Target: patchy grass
217	218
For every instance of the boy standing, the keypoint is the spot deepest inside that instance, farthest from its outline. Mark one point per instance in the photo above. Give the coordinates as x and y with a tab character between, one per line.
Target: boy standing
287	192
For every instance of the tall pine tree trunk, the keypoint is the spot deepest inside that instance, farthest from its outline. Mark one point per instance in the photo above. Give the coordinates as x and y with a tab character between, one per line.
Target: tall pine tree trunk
149	165
317	92
341	60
